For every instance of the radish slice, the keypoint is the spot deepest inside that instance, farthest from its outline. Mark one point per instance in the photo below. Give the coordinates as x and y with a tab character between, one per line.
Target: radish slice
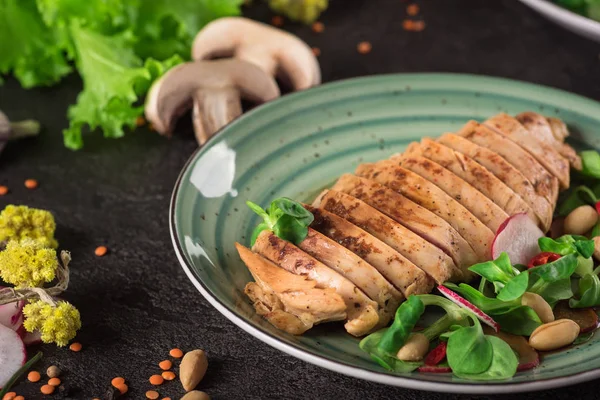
11	315
464	303
434	369
12	354
32	338
518	237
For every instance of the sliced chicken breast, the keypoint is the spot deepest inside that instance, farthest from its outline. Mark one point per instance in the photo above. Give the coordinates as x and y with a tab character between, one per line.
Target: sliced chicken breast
426	256
356	270
505	174
559	128
289	302
416	218
472	199
543	181
540	127
362	312
546	155
396	268
431	197
475	175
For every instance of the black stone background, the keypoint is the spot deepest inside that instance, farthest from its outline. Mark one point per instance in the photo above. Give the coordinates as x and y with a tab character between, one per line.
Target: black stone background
136	303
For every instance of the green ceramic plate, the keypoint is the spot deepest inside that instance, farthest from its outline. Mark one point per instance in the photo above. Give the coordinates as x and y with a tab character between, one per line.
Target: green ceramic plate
301	143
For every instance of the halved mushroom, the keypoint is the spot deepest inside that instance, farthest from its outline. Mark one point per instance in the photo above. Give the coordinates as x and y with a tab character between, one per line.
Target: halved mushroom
215	88
275	51
16	130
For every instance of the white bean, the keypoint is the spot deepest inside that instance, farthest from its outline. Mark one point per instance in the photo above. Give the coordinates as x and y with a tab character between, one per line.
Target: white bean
554	335
539	305
415	348
581	220
597	248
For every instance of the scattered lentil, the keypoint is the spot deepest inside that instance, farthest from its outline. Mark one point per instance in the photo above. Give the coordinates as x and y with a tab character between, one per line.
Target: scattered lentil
316	51
412	9
277	21
31	183
3	190
156	380
140	121
318	27
165	365
117	381
34	376
168	375
19	398
176	353
9	396
419	25
54	382
101	251
152	395
122	388
364	47
53	371
47	389
76	347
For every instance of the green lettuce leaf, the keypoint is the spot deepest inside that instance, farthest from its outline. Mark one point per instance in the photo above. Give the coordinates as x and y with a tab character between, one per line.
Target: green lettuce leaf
114	78
28	48
166	27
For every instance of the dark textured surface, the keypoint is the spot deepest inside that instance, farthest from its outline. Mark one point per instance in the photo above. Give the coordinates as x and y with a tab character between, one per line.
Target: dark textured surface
136	302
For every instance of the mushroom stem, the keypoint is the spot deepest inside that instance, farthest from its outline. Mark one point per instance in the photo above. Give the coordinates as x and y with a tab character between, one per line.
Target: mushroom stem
23	129
213	109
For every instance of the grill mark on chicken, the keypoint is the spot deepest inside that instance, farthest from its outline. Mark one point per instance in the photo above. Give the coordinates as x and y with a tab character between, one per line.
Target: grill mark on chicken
361	320
434	199
408	213
421	253
485	210
546	155
398	270
504	171
544	183
481	179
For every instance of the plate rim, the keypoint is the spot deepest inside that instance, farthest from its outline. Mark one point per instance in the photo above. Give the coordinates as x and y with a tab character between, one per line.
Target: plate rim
581	25
341	367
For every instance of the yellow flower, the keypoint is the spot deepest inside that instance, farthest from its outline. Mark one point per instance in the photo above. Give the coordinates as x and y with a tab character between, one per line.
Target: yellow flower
27	263
57	324
20	222
306	11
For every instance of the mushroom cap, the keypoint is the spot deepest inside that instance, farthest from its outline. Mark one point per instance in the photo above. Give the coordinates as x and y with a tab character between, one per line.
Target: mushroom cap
174	92
274	50
4	128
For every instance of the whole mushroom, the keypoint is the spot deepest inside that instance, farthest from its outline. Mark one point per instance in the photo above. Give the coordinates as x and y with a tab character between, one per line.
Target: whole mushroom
277	52
16	130
214	88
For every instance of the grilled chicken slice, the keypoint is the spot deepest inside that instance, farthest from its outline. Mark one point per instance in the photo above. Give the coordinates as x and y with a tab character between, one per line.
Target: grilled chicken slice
289	302
546	155
362	312
356	270
472	199
399	271
423	254
475	175
505	173
416	218
540	127
543	181
559	128
431	197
